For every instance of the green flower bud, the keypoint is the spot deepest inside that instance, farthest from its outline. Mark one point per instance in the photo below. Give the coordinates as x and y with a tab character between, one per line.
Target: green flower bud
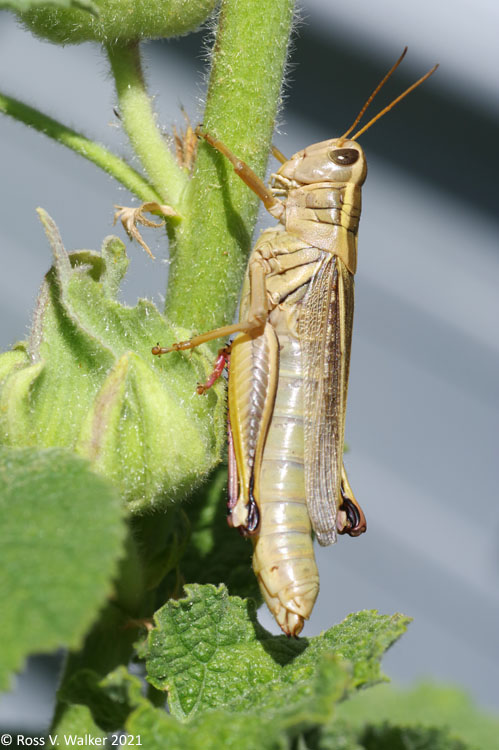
118	20
87	380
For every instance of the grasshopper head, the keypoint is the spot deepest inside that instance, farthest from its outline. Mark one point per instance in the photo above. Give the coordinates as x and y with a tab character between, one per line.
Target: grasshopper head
335	160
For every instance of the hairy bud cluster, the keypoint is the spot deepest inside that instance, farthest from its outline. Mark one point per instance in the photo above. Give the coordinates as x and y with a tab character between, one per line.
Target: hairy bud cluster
116	21
87	380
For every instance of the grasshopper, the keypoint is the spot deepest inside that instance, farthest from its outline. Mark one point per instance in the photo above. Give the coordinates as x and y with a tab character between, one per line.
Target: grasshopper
289	366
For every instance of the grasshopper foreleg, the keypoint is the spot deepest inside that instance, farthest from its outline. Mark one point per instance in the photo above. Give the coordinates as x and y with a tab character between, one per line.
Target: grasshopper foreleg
271	203
257	317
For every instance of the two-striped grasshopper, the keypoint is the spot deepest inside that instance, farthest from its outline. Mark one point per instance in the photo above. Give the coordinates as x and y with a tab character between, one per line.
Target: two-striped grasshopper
289	365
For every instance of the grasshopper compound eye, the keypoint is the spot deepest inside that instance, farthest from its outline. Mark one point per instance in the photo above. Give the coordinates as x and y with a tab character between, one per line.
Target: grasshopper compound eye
344	157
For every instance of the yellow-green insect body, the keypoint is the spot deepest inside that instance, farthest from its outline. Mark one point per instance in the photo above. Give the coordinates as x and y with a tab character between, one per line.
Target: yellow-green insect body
289	367
288	377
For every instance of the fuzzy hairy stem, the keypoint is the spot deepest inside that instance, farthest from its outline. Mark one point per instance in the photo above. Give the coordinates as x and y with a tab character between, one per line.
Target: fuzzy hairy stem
102	157
211	246
139	122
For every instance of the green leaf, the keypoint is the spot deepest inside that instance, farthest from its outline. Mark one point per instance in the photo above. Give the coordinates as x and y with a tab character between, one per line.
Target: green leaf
280	712
362	638
426	705
335	735
21	6
77	722
221	730
109	700
209	651
386	737
210	731
339	735
60	538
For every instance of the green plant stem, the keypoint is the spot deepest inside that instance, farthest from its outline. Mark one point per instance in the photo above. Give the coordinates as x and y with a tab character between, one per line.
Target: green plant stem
106	160
210	253
140	125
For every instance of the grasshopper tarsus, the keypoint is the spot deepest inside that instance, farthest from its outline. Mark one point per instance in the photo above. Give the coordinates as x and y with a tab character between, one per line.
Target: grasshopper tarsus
158	350
180	346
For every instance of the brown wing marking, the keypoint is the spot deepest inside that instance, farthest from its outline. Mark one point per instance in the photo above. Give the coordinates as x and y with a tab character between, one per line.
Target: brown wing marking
325	335
252	387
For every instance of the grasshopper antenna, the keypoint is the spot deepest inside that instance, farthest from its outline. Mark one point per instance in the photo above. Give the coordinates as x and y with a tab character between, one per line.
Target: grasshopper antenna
376	91
395	101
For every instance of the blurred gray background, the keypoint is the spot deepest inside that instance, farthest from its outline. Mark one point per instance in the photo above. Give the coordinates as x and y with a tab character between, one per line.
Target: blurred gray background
423	400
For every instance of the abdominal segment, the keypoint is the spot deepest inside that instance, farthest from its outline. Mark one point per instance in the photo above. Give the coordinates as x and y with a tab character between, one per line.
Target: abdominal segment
283	558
